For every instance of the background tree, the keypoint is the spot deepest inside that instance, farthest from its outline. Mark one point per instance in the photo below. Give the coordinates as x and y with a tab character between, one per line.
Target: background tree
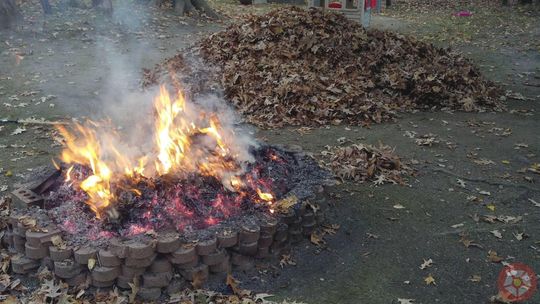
185	6
9	13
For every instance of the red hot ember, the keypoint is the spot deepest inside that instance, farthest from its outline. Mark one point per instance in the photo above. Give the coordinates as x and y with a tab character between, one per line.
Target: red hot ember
181	203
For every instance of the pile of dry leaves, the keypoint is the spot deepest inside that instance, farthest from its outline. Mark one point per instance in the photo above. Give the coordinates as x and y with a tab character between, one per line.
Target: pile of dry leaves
310	67
361	163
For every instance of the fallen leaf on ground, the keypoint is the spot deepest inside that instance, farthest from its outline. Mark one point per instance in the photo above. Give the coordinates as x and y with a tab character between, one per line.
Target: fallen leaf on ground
496	233
493	257
426	264
520	236
535	203
430	280
317	239
467	242
286	259
18	131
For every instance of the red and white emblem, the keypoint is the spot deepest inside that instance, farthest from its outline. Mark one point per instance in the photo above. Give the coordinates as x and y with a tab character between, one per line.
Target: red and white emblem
517	282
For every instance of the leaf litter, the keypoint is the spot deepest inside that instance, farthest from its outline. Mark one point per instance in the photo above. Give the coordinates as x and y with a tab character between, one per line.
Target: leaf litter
361	163
310	67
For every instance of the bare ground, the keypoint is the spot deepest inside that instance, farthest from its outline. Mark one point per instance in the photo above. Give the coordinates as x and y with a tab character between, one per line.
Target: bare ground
375	256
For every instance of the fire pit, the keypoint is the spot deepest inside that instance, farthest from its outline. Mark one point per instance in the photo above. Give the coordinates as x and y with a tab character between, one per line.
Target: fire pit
201	197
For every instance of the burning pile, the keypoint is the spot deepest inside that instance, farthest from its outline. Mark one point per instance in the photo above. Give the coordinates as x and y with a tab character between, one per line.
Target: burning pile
196	172
298	67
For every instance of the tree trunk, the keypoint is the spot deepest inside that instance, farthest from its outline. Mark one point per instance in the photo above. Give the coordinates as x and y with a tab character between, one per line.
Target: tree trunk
106	5
203	6
46	6
185	6
9	13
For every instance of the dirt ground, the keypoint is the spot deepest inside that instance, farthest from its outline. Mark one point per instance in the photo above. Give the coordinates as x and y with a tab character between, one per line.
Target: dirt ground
69	64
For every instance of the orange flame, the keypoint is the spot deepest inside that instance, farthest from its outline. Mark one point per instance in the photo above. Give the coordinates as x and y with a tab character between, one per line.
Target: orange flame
176	128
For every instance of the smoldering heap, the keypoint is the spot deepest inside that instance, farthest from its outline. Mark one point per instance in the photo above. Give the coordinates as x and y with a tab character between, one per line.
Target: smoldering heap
310	67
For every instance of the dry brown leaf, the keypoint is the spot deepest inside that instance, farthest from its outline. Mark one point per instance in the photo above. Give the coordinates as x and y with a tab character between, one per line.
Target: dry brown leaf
430	280
317	239
493	257
286	259
286	203
134	289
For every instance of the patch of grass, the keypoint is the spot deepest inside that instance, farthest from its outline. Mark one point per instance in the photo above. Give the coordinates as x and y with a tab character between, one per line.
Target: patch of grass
490	25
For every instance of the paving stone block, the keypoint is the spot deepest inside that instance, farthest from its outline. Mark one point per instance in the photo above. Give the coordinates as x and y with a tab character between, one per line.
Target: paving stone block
100	284
67	269
241	260
248	249
131	272
36	252
151	279
282	232
105	274
82	255
118	248
140	250
200	272
36	239
308	228
268	226
215	257
160	265
108	259
249	233
23	265
288	217
187	265
168	244
58	254
123	282
227	239
265	240
145	262
207	246
263	253
184	254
